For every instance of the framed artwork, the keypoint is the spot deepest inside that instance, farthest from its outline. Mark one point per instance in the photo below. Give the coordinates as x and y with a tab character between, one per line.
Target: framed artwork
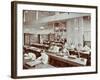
70	50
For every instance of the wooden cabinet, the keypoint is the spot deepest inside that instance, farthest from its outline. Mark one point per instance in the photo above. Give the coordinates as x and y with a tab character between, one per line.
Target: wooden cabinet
34	38
30	38
26	39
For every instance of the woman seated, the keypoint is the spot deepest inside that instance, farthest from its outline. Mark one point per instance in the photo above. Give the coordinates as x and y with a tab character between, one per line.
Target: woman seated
65	51
43	58
60	52
72	46
51	48
79	47
54	48
30	56
86	48
66	45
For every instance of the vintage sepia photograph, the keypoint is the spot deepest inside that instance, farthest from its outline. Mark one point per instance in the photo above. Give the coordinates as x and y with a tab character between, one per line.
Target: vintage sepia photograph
53	39
56	39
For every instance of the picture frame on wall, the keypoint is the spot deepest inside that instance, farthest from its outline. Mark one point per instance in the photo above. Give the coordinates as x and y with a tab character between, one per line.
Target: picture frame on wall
51	39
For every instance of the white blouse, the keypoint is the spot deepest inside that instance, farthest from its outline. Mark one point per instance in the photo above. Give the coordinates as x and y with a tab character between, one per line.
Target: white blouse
43	58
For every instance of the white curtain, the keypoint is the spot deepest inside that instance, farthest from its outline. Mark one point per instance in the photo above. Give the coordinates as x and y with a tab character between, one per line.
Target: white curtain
75	30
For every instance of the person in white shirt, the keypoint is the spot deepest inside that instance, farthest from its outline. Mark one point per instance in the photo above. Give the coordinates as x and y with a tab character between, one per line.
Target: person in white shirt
60	52
72	46
56	49
51	48
65	51
66	45
30	56
43	58
79	47
86	48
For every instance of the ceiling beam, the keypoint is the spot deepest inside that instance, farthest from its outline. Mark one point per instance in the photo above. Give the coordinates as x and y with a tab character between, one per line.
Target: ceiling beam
60	17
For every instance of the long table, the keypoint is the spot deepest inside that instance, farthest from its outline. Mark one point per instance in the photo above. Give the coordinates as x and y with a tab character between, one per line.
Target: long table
65	61
43	46
86	55
82	54
35	64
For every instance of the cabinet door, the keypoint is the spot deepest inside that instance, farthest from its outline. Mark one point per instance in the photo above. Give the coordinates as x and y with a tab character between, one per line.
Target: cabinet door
33	39
26	39
30	38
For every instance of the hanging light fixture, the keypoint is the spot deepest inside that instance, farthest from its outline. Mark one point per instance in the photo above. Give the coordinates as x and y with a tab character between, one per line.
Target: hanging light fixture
42	28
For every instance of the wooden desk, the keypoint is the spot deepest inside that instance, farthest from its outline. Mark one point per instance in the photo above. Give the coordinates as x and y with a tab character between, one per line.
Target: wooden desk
42	46
28	64
86	55
47	43
82	54
59	61
34	50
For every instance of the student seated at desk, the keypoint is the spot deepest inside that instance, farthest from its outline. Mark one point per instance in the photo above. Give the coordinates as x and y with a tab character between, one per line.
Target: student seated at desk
60	52
65	51
43	58
30	56
79	47
66	45
86	48
72	46
51	48
54	48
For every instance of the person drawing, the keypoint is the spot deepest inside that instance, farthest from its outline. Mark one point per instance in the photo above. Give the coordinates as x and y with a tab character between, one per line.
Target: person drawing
86	48
43	58
72	46
30	56
65	51
56	49
79	47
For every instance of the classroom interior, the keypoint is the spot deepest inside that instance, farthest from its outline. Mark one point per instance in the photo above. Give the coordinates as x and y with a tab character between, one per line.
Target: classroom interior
53	39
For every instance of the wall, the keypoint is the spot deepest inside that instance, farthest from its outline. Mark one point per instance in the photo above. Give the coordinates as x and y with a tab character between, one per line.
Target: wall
77	28
5	41
87	29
